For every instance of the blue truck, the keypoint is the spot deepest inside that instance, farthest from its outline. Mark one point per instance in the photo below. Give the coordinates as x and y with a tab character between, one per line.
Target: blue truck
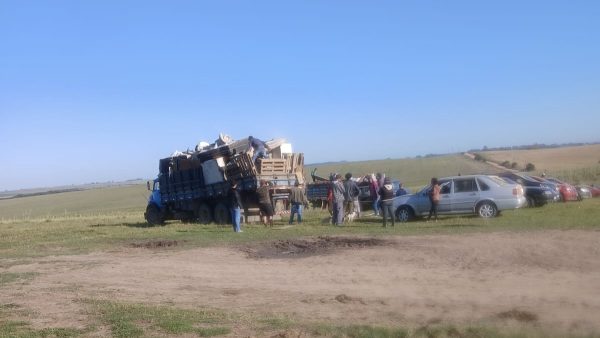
192	186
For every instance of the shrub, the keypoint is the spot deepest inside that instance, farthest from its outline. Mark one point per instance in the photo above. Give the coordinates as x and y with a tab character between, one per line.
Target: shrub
530	167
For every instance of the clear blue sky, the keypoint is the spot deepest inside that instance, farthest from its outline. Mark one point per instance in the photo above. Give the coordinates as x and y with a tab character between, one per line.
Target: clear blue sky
100	90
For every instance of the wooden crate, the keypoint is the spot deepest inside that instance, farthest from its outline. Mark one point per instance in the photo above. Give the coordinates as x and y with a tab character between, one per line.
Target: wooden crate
273	166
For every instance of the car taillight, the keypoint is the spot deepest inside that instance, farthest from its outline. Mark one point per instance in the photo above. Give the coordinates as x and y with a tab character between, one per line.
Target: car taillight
518	190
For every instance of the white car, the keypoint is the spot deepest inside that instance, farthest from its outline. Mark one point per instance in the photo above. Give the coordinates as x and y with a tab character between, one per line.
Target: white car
484	195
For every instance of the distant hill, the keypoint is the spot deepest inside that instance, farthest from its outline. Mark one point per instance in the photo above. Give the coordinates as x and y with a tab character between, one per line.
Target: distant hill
66	188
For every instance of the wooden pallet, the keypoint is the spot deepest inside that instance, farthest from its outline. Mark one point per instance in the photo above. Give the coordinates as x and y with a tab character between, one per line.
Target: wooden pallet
274	166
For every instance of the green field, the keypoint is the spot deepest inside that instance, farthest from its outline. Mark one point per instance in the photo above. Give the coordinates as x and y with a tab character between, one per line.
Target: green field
104	220
413	172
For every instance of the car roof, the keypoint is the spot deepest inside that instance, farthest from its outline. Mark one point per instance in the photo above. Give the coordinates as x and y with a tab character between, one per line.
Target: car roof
464	176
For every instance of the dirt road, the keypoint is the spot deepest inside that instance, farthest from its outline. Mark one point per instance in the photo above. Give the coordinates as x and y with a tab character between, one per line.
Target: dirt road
548	279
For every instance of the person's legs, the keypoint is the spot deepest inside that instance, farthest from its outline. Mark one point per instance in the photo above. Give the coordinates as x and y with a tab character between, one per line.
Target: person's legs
235	217
356	205
390	211
431	208
300	207
384	211
334	213
340	220
292	212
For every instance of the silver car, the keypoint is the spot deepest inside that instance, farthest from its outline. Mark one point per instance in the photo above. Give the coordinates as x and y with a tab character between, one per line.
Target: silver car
484	195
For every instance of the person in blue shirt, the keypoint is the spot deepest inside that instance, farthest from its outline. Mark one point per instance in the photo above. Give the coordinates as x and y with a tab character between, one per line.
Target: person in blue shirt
260	148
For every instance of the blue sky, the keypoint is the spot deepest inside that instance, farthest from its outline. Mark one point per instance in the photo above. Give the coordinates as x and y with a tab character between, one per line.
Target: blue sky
100	90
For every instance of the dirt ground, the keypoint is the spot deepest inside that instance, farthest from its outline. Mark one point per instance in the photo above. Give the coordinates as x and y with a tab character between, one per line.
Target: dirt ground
546	279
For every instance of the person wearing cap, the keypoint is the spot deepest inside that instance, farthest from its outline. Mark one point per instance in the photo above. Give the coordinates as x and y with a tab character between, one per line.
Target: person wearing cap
235	206
298	200
338	201
387	200
351	195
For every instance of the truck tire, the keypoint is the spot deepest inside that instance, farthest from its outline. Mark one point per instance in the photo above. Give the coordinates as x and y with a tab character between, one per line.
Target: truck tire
153	215
222	215
203	214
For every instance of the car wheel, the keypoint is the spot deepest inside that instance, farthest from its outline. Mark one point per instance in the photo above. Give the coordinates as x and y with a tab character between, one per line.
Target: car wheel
153	215
487	210
404	214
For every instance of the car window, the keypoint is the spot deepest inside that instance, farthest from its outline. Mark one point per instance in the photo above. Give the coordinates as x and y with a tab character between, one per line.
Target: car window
445	187
482	185
498	180
465	185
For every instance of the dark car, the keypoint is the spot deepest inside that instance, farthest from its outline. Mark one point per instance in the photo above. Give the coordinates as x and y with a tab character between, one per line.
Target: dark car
537	193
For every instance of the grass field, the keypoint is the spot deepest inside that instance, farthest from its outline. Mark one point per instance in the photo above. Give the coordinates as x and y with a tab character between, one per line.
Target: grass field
413	172
26	239
573	164
39	230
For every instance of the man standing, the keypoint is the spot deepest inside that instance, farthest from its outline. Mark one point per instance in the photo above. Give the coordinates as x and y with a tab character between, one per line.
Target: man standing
235	206
434	198
387	200
298	200
264	203
338	200
351	196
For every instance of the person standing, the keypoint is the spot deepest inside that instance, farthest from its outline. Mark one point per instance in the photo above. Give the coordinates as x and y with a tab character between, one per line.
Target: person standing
387	200
351	196
338	200
235	206
260	148
298	200
434	198
374	191
264	203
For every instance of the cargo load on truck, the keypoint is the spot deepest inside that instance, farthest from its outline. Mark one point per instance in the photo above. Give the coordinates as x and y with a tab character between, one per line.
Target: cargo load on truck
192	186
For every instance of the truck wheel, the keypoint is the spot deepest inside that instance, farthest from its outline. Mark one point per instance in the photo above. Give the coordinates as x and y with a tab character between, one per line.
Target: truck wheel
203	214
153	215
222	215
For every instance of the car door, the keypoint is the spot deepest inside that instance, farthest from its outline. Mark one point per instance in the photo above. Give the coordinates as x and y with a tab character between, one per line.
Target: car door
465	195
445	204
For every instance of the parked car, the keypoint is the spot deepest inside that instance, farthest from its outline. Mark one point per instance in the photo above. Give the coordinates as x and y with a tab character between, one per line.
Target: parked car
584	191
484	195
595	191
567	191
536	192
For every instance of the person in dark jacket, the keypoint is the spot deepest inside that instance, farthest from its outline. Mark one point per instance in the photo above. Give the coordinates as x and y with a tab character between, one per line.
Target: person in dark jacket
235	206
338	201
260	148
264	203
387	200
351	195
298	201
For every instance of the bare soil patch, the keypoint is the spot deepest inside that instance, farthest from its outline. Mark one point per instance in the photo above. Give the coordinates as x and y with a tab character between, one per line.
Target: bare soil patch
155	244
548	279
300	248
